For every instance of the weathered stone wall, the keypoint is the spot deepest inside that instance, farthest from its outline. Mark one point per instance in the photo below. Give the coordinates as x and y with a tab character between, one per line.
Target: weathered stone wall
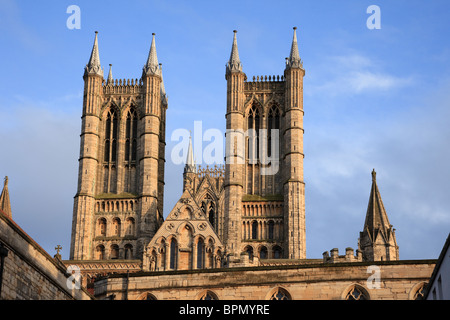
29	272
398	280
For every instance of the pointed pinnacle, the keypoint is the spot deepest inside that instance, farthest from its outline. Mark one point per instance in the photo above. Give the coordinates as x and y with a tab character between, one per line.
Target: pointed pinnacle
110	77
190	163
151	67
93	65
294	60
234	64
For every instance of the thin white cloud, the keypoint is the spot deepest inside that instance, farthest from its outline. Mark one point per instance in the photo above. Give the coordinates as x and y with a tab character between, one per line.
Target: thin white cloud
354	74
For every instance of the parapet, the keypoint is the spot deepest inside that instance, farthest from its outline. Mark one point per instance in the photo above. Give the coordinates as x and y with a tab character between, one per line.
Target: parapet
334	257
122	86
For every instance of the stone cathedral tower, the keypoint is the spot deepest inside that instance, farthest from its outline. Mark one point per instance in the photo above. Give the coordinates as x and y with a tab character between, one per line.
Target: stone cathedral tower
264	209
119	201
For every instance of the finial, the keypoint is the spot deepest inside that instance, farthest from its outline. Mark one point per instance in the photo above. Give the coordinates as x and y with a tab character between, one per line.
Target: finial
294	60
151	67
374	175
234	64
93	65
110	77
5	184
58	248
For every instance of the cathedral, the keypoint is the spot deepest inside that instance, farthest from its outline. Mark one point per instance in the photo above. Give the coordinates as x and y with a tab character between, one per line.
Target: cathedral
238	228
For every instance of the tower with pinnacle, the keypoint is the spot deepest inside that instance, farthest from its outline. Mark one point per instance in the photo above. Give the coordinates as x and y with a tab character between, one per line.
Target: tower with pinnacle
377	241
119	200
264	207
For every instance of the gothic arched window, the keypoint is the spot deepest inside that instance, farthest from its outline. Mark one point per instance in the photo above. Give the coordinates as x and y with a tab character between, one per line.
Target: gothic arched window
208	295
173	254
200	253
356	293
280	294
131	136
273	122
211	215
253	126
111	133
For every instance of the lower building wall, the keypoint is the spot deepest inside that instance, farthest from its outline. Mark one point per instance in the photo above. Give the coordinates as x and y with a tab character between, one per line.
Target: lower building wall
396	280
29	272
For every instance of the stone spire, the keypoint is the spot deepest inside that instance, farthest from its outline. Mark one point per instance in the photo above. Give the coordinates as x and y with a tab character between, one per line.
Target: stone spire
376	216
190	166
5	204
294	60
93	66
152	67
377	240
234	64
110	77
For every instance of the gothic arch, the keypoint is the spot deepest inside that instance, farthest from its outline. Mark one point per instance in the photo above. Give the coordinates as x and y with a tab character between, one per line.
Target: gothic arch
207	295
183	225
131	105
253	102
417	292
147	296
278	293
204	193
355	291
111	106
271	105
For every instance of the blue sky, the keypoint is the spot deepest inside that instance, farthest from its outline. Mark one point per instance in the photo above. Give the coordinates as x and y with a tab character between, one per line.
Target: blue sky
372	99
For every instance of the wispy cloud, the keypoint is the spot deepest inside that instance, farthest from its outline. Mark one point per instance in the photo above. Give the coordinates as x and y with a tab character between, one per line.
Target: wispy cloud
354	74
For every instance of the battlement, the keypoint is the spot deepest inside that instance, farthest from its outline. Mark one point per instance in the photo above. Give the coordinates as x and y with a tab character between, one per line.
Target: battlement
121	86
269	78
218	171
349	256
265	83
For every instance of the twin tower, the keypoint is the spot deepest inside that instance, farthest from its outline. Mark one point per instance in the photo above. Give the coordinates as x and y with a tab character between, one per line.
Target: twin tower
249	206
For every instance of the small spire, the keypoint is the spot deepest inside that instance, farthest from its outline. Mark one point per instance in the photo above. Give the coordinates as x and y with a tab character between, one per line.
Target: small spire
376	216
152	67
93	65
294	60
163	89
110	77
234	64
190	166
5	204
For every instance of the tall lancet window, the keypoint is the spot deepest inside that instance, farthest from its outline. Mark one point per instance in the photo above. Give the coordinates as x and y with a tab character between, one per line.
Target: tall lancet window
273	122
253	125
111	129
131	136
